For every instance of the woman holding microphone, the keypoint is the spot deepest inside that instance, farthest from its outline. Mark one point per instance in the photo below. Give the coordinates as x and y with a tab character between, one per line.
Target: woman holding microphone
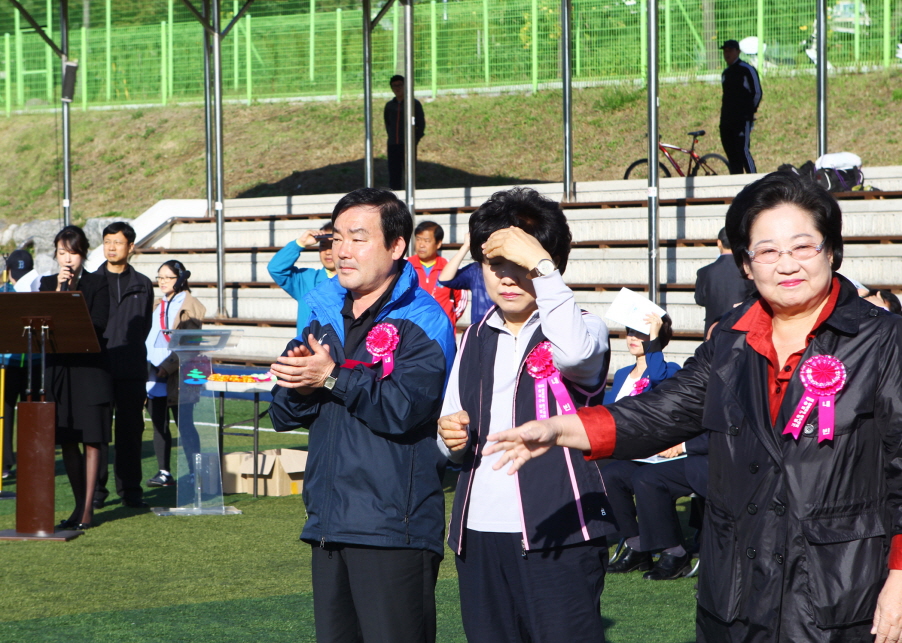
80	384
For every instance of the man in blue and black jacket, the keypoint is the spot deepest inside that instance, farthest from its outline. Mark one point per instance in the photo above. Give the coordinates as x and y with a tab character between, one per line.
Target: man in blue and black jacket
366	378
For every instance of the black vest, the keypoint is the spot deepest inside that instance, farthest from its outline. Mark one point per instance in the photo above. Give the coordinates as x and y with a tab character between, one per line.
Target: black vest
562	496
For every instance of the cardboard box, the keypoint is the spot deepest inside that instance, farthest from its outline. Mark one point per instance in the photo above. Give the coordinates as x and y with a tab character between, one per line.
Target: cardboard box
280	472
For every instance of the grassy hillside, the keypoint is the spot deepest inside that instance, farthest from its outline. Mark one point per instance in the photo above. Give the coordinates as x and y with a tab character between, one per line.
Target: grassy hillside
124	161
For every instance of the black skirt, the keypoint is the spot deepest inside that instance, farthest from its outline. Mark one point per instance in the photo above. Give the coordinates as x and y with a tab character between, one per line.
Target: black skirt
88	424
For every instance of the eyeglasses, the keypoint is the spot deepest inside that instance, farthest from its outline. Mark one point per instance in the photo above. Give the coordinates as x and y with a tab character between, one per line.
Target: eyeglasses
800	252
159	278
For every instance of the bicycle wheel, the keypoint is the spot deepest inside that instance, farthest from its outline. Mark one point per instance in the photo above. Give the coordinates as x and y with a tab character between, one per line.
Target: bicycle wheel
639	170
711	164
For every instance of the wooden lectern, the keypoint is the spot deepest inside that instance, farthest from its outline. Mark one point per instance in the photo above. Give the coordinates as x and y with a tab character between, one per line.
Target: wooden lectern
43	322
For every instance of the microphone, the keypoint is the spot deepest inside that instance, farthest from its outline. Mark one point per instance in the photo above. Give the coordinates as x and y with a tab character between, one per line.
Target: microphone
64	287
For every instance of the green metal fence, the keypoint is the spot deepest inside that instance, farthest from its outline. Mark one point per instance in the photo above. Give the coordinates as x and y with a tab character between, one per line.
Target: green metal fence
296	50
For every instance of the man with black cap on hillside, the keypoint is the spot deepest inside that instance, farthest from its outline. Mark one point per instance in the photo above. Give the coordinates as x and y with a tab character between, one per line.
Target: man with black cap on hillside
741	97
18	263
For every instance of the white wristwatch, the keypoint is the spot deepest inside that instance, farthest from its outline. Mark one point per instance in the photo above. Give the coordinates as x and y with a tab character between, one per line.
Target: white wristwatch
543	268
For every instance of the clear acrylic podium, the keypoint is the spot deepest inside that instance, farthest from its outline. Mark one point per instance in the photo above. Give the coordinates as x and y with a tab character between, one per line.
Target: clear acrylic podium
198	473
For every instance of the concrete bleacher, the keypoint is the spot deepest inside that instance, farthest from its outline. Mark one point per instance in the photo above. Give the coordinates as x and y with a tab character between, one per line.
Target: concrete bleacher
609	227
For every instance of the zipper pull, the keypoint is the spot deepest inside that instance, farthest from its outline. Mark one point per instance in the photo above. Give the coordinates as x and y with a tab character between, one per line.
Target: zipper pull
523	548
322	543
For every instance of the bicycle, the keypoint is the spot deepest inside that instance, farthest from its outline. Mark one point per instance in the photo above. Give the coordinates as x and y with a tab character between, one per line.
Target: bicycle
707	165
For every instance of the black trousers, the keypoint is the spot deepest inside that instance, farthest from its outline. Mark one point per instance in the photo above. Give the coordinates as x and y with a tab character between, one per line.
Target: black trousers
16	381
128	437
373	595
653	515
162	435
547	596
735	139
396	165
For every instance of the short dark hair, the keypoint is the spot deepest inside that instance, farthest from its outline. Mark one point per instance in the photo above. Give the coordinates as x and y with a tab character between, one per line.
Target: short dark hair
895	306
396	219
327	227
121	226
73	239
526	209
181	273
775	189
426	226
395	78
723	238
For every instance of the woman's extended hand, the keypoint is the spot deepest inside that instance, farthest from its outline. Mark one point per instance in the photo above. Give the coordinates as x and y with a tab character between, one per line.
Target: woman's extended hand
888	615
535	438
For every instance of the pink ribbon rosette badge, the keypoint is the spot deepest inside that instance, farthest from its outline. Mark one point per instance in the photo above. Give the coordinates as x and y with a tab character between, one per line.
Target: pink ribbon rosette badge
823	376
381	342
640	386
540	365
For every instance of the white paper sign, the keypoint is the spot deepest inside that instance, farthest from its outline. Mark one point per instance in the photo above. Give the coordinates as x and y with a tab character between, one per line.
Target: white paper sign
630	308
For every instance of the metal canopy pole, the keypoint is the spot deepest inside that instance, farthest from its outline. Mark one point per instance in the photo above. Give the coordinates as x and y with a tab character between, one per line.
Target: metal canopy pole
213	128
220	193
67	158
568	100
821	77
410	146
653	274
368	26
208	114
63	52
368	95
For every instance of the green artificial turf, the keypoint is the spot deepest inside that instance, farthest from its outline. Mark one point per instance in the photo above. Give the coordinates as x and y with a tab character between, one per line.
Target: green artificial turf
140	578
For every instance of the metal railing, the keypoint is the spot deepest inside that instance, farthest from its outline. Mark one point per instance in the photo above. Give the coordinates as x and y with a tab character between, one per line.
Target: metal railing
460	45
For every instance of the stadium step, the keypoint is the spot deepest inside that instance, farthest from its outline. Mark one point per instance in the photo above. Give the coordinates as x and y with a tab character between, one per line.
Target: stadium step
609	227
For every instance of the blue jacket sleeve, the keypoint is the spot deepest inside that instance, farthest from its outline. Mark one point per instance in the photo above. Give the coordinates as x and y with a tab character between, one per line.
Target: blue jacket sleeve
698	445
297	282
404	400
656	369
463	280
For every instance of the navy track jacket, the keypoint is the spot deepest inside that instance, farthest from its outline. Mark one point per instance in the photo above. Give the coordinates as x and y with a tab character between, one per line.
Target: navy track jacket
374	471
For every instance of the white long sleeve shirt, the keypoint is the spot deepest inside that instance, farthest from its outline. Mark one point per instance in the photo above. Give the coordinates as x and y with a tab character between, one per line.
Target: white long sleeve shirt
579	342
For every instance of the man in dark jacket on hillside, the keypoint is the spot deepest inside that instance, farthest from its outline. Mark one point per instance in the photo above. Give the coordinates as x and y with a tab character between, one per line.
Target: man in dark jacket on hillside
366	378
395	128
741	97
131	306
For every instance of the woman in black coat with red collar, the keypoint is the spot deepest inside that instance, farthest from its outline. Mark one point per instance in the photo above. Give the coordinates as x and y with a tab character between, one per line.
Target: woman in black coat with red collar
81	385
799	390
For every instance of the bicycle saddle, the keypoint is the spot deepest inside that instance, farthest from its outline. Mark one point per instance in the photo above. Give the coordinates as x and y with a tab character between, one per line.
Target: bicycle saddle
700	132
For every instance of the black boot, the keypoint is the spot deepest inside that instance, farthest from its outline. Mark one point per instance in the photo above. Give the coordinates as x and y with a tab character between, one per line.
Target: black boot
669	567
630	560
